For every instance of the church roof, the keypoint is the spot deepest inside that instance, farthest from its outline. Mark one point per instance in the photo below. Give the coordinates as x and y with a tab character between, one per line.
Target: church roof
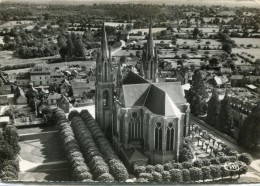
133	78
134	155
159	98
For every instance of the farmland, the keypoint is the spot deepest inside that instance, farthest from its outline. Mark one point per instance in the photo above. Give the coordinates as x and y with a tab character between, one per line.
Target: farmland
247	41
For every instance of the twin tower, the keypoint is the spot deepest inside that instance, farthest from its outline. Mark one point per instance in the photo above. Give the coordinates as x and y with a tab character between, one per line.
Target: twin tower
104	94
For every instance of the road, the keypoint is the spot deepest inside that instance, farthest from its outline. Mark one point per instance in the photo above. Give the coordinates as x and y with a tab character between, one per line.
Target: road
254	167
120	48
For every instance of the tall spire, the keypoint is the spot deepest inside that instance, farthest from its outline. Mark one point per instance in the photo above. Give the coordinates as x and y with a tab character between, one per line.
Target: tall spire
104	45
150	40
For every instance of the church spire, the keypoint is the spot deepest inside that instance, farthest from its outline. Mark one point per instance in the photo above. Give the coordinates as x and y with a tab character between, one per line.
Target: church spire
150	41
104	45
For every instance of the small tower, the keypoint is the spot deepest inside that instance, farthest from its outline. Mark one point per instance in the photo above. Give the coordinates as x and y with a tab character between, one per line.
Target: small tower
104	87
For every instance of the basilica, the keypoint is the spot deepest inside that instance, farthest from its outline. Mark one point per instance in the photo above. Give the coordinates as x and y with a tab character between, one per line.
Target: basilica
145	120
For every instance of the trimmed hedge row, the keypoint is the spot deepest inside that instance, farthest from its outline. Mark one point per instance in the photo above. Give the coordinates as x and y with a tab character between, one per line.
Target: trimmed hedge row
91	153
116	167
192	174
80	170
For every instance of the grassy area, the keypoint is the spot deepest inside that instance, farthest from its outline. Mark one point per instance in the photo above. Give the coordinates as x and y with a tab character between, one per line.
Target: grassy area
154	30
195	42
253	51
247	41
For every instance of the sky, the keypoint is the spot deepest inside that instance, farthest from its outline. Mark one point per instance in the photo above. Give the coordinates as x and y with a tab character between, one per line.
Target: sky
251	3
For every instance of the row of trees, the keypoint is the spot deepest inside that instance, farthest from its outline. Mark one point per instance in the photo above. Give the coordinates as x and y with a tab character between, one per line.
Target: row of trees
116	167
91	152
80	170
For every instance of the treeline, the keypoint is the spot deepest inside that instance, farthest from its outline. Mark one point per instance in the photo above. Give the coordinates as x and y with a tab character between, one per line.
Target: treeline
19	66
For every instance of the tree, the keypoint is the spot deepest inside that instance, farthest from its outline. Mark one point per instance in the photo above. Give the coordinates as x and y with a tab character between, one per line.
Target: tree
227	47
70	46
205	173
185	155
197	94
195	32
7	39
249	134
215	171
214	61
80	50
176	175
225	123
246	158
213	109
122	60
195	174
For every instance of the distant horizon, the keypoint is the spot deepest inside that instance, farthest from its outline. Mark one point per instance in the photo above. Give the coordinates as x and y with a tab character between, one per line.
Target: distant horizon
229	3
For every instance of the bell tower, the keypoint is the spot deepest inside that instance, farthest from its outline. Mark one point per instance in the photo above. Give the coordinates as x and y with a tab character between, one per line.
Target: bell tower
104	87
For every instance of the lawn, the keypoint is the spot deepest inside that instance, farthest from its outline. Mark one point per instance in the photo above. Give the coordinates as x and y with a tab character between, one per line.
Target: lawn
11	24
195	42
116	24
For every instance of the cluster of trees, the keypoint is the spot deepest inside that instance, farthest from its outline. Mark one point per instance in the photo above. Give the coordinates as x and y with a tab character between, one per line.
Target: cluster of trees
91	152
219	114
249	134
80	170
186	152
197	94
9	150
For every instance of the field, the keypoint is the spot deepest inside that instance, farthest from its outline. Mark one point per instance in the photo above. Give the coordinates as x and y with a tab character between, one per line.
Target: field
194	42
116	24
11	24
154	30
253	51
246	41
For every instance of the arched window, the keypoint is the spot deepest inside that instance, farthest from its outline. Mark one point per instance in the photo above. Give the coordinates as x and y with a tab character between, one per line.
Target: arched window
170	137
105	98
135	126
158	136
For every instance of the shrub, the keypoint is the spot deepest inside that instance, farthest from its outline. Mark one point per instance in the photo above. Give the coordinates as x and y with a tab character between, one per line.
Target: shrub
246	158
147	176
166	176
198	163
157	177
185	175
232	158
168	166
185	155
215	171
223	159
158	168
215	161
139	169
206	162
118	170
186	165
195	173
177	165
141	180
149	168
205	173
224	172
106	177
176	175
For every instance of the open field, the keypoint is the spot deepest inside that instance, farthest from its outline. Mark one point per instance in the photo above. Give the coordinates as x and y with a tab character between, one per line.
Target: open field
195	42
154	30
116	24
246	41
7	58
253	51
11	24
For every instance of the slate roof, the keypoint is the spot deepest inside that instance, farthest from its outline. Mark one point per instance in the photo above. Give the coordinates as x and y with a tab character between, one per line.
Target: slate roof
54	96
159	98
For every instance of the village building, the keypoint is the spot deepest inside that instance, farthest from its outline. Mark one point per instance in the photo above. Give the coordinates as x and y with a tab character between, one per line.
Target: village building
23	79
40	75
4	100
81	88
56	77
64	104
52	99
65	87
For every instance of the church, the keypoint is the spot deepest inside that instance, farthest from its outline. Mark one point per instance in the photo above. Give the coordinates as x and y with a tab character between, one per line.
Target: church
144	119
